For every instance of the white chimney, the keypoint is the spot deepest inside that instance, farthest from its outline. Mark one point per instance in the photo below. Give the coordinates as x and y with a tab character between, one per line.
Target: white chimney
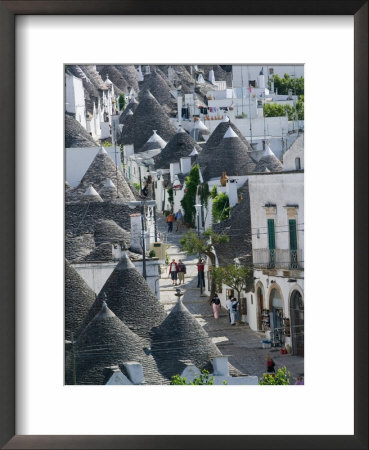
136	232
220	366
174	170
231	189
185	165
135	372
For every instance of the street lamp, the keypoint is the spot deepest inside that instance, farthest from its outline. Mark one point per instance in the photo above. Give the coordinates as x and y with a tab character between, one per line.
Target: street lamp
200	275
142	204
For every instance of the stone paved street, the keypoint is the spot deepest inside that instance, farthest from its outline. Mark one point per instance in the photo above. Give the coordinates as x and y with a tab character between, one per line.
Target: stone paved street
240	343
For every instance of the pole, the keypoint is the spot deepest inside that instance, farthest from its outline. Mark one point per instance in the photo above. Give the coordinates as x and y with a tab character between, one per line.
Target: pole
250	114
155	225
198	235
143	240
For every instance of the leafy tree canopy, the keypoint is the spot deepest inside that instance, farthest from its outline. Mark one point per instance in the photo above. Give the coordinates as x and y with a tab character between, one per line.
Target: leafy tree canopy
282	85
221	208
281	377
203	379
235	276
189	198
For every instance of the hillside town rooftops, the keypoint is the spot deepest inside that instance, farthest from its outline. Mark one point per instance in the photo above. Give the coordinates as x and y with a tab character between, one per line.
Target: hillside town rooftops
231	156
268	162
148	116
180	146
238	228
131	299
79	298
101	168
76	135
107	341
155	142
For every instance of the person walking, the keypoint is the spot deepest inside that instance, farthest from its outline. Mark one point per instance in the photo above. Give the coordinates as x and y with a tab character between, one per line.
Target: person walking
270	364
170	220
200	273
215	302
236	310
230	309
179	220
181	271
173	269
300	380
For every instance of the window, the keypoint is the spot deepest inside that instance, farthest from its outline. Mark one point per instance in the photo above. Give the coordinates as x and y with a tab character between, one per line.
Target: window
271	243
252	83
298	163
293	244
271	234
293	234
271	71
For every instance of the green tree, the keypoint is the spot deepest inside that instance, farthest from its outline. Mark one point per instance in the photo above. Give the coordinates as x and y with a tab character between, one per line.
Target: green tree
122	102
221	208
239	278
203	379
281	377
214	192
189	199
275	110
300	107
282	85
192	244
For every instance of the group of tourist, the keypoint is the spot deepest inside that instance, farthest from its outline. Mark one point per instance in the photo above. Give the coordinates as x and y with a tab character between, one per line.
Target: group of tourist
177	271
232	305
177	218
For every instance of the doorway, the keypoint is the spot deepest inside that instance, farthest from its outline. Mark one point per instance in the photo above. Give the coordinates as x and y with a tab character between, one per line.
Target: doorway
260	300
297	323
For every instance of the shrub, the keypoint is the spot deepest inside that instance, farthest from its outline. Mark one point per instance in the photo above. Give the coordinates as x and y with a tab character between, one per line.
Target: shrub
281	377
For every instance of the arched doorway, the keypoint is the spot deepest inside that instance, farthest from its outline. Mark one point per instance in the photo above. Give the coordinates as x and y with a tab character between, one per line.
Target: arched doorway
260	300
276	309
297	323
276	315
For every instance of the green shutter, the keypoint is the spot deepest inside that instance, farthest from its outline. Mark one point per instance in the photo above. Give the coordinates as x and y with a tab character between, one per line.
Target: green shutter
293	234
271	234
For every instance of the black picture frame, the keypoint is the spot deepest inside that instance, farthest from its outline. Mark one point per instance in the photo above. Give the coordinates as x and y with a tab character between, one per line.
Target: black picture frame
8	11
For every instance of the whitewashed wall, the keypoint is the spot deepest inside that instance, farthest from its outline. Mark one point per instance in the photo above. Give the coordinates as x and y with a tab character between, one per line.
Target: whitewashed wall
243	73
75	98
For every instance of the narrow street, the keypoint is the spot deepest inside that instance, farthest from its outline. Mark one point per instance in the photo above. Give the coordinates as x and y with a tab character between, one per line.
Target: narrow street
241	344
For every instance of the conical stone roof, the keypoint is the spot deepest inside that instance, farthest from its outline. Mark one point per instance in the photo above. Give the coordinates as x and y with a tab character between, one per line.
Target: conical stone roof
76	135
90	195
101	168
78	297
159	89
129	110
180	146
130	74
131	299
268	161
107	341
148	116
109	231
77	247
217	135
109	191
154	143
180	337
238	228
231	156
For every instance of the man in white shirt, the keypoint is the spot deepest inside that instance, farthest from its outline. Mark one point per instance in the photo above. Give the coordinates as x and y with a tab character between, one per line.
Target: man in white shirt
230	310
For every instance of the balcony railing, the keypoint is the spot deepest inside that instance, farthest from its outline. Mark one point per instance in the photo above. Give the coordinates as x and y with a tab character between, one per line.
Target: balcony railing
265	258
